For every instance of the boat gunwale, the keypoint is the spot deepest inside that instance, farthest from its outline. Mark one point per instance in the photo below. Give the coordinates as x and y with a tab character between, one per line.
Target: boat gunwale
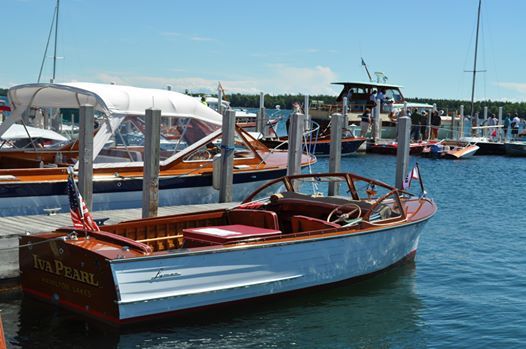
329	234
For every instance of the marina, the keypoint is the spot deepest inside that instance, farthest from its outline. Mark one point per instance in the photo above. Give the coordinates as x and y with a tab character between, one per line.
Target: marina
456	274
215	181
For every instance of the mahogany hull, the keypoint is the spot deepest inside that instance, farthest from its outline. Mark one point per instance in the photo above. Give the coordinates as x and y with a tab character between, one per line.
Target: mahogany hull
127	290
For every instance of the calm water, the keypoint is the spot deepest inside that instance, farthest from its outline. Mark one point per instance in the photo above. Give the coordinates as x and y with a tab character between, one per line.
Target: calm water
467	288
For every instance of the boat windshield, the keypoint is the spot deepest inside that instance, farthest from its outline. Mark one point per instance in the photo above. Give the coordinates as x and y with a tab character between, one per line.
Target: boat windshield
127	142
360	188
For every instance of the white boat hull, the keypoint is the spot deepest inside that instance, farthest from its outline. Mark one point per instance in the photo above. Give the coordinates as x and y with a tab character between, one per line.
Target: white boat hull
150	286
34	205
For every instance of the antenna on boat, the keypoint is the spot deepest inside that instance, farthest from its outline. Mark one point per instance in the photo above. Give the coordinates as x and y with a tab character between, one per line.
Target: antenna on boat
54	24
367	70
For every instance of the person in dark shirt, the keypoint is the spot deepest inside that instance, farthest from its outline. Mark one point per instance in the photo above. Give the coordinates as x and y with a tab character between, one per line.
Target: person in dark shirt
365	122
436	121
415	125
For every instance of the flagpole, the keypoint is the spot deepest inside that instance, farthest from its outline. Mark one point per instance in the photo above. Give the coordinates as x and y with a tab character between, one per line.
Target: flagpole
367	70
71	173
420	180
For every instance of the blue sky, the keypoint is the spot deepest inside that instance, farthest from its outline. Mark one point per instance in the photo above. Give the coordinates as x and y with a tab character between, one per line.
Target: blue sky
273	46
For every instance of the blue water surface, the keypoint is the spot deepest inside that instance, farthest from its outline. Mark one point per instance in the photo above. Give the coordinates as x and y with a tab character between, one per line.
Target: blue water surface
466	289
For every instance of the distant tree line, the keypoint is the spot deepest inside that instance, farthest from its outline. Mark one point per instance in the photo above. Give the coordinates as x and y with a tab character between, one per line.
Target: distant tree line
493	106
449	105
285	102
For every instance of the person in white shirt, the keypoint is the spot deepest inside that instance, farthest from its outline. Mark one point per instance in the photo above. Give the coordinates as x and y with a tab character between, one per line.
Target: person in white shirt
492	121
515	125
372	96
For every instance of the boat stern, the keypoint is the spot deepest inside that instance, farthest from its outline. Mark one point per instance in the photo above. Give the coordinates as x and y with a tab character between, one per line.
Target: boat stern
64	270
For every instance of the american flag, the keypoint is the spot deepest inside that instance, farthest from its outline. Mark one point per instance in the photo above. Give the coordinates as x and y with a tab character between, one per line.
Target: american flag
80	215
414	174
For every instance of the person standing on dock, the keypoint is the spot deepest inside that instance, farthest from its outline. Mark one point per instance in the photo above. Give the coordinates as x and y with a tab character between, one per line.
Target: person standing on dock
424	122
436	121
415	125
365	122
492	121
393	117
506	128
515	126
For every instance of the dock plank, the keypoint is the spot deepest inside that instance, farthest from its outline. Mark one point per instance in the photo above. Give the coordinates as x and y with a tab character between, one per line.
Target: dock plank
13	227
19	225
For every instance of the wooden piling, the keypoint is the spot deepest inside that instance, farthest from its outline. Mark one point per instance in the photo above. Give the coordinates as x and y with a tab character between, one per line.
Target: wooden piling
85	178
150	184
502	130
402	152
335	154
227	156
307	114
485	131
297	122
219	100
461	123
260	117
377	122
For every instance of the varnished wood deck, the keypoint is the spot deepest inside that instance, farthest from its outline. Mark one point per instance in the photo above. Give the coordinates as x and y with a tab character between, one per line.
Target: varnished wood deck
12	227
18	225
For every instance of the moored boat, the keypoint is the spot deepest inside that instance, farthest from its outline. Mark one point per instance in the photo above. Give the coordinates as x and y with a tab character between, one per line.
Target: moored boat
359	93
486	145
515	148
441	151
34	180
286	236
391	147
320	146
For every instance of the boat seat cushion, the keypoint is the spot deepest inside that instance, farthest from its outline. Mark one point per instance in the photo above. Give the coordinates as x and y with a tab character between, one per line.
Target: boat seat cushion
226	233
255	218
301	224
313	206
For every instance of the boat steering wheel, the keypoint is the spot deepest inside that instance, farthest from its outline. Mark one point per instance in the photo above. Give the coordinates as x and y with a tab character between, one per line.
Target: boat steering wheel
344	212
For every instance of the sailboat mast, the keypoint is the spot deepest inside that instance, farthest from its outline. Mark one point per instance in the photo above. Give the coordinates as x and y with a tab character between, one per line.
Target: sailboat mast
475	68
55	52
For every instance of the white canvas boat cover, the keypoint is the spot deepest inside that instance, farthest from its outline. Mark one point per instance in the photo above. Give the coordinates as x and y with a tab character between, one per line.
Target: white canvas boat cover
108	99
19	132
115	101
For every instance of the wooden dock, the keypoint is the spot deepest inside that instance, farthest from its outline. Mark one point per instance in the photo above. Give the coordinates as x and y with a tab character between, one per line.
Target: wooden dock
13	227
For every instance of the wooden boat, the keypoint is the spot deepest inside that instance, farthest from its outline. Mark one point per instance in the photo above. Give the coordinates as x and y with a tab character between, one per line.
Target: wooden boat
515	148
441	151
286	236
36	179
359	101
319	146
3	343
390	147
486	146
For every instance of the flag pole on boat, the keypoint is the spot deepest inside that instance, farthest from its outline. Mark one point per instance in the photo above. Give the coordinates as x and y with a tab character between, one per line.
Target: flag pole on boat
366	69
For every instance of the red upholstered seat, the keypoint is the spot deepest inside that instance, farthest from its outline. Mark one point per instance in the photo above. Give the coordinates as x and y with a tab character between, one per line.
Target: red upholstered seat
255	218
226	233
301	224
